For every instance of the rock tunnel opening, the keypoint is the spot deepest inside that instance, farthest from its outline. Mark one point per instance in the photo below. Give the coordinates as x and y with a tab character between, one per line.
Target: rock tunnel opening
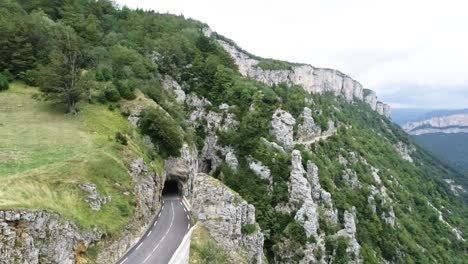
171	187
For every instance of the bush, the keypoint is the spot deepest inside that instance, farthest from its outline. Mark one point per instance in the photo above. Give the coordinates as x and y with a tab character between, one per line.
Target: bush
111	94
125	90
29	77
124	209
3	82
296	232
163	130
121	138
248	229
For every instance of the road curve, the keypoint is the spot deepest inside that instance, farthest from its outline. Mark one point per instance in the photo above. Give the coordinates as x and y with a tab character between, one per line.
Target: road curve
160	241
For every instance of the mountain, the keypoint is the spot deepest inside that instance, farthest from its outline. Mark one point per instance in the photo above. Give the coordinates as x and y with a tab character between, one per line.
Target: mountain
444	132
447	122
402	116
105	109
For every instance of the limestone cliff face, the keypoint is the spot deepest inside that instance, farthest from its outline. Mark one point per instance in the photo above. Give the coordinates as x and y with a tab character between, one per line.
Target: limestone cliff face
457	123
312	79
45	237
224	213
40	237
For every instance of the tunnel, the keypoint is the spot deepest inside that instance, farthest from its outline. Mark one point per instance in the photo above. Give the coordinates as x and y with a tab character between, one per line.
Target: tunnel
171	188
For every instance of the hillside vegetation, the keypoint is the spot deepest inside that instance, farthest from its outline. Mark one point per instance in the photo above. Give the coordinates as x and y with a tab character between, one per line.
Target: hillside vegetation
45	155
45	152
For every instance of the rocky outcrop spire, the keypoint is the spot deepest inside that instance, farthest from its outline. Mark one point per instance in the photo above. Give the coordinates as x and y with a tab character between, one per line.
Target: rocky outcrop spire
282	125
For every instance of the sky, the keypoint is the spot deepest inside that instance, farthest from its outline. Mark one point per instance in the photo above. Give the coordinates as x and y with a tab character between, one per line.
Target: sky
413	53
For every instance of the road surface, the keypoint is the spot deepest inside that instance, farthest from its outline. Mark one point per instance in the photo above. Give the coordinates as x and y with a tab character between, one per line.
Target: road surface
160	241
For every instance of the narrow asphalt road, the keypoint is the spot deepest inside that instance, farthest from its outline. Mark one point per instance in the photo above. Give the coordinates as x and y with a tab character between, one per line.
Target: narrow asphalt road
160	241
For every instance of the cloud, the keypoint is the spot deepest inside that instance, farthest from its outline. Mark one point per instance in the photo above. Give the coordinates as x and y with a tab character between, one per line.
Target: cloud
398	48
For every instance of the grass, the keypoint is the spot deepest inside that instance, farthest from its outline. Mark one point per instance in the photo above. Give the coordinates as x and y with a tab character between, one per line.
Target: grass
203	249
45	154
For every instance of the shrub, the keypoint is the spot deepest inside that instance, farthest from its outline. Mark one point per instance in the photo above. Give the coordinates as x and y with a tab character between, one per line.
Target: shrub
121	138
248	229
163	130
29	77
3	82
296	232
124	209
125	90
111	94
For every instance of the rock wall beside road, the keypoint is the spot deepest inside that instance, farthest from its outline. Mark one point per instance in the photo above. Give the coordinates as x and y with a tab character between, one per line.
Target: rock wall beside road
224	213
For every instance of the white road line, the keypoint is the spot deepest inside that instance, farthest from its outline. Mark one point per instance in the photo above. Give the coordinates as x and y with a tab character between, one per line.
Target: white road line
167	232
185	210
181	203
138	246
162	207
151	231
155	222
146	259
124	260
188	226
188	218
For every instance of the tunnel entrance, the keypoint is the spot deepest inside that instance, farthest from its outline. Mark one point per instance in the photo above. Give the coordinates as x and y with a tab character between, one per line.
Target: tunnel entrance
171	187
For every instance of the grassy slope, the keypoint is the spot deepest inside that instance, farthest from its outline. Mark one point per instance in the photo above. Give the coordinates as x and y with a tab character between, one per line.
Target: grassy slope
45	154
203	249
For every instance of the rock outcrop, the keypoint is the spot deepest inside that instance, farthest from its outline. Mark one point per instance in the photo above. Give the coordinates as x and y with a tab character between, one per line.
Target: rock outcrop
41	237
93	198
300	192
224	213
308	130
262	171
313	80
404	151
349	231
170	84
282	126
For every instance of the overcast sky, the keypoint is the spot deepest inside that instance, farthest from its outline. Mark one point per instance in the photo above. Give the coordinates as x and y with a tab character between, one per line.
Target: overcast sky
412	53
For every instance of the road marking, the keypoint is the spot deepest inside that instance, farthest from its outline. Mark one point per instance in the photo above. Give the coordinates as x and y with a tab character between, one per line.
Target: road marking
149	233
181	203
188	218
124	260
167	232
155	222
162	207
185	210
138	246
188	226
146	259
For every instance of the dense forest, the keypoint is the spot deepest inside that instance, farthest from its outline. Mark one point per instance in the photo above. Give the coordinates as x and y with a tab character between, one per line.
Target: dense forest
81	52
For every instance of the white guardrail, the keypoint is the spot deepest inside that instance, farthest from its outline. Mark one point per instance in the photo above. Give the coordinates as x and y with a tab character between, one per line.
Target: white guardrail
182	254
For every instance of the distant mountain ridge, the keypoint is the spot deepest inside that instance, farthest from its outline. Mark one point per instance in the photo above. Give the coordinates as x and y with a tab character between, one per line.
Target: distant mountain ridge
454	123
448	122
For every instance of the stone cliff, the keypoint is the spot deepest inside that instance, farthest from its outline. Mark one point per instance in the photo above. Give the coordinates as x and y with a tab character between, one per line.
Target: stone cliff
312	79
226	215
457	123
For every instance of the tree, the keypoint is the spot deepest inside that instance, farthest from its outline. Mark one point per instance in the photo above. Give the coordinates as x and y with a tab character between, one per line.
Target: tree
3	82
163	131
61	77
